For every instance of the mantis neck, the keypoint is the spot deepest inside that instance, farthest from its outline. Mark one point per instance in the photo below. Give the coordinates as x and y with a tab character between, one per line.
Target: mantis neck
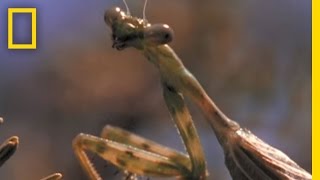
174	73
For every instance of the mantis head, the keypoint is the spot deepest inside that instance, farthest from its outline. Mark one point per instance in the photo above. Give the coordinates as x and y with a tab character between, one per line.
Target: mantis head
128	31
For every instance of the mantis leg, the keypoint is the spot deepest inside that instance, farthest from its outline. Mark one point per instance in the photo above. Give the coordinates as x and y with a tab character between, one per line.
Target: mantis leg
132	159
55	176
187	130
8	148
124	137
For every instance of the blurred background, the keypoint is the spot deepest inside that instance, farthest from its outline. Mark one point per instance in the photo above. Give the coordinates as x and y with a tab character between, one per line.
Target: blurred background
252	57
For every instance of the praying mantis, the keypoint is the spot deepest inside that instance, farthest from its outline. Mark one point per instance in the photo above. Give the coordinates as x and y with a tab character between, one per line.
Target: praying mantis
246	156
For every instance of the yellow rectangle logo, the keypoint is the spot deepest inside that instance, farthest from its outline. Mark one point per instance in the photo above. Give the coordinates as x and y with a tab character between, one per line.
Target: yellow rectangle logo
33	12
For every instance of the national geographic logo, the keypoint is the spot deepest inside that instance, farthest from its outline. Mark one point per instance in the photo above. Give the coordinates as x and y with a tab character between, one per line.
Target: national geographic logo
11	43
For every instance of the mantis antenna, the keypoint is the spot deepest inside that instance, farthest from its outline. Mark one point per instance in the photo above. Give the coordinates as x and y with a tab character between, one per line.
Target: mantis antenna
144	11
127	8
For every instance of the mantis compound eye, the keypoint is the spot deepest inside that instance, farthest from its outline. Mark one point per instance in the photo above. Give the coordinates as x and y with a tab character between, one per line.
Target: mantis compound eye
112	15
158	34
